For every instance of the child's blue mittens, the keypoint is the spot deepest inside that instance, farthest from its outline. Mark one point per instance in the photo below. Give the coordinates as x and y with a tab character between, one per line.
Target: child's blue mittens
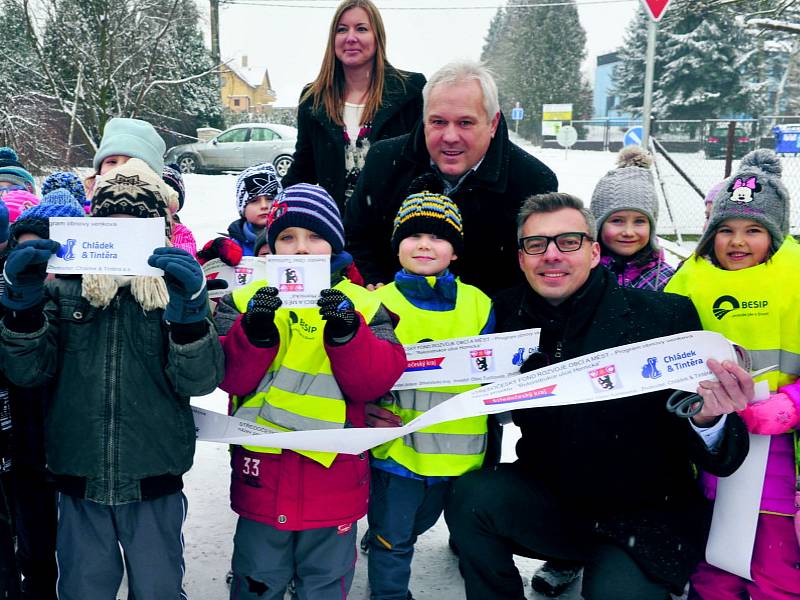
25	271
186	284
340	313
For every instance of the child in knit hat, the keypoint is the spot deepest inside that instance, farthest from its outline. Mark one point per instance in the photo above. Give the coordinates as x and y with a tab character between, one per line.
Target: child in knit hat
295	369
123	139
122	356
739	279
13	174
625	204
256	188
411	478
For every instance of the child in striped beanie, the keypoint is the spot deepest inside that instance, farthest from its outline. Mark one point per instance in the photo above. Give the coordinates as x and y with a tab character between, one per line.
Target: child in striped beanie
412	476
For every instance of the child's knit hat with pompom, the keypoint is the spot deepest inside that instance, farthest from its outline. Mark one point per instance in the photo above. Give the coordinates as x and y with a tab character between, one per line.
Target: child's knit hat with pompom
628	187
754	192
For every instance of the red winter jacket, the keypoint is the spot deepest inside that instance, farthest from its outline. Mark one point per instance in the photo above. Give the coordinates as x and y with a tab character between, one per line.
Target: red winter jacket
288	490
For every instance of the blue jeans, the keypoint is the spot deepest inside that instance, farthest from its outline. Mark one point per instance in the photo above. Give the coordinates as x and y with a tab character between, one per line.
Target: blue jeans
400	510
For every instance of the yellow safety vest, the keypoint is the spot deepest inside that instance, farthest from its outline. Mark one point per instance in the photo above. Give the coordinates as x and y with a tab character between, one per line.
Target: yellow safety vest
756	308
298	391
447	449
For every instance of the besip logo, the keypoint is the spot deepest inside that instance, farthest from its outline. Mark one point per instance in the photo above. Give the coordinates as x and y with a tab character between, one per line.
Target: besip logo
723	305
67	250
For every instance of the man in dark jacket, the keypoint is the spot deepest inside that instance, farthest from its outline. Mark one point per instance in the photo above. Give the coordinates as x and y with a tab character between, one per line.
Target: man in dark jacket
605	484
463	142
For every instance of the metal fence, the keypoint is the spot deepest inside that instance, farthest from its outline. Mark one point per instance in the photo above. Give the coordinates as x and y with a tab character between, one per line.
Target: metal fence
693	155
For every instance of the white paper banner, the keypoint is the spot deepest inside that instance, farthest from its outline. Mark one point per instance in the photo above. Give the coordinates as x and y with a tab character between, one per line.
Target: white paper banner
672	362
299	278
736	508
249	269
465	361
105	245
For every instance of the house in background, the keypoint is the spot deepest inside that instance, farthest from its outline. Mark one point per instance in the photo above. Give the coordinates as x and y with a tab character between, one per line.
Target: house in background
245	88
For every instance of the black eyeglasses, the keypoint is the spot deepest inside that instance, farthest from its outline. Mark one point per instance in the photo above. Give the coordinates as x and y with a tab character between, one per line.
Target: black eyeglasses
566	242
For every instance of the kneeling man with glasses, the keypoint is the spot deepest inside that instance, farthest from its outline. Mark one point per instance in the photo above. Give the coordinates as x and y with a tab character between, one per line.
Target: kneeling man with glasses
608	485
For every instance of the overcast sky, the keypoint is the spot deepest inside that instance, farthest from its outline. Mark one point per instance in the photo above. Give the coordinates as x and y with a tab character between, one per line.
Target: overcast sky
288	36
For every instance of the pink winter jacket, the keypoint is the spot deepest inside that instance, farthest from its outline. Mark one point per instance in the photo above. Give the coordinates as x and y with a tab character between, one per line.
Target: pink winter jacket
776	417
182	237
288	490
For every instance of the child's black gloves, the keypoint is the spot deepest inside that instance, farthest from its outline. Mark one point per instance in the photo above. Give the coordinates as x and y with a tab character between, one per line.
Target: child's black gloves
259	320
339	312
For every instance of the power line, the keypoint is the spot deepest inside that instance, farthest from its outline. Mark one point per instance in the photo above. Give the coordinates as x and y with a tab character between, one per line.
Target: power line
334	3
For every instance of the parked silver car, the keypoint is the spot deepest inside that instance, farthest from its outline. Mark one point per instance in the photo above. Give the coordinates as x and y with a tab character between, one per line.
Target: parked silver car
237	148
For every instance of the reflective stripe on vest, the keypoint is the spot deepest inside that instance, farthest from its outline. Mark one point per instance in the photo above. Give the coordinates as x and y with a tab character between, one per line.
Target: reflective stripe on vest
446	443
419	400
447	449
754	307
788	362
299	391
305	384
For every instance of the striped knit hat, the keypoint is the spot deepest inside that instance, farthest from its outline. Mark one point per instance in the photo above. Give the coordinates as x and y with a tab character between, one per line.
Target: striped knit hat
429	213
308	206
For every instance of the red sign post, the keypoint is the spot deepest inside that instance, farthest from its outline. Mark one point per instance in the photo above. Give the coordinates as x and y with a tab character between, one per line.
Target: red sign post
655	8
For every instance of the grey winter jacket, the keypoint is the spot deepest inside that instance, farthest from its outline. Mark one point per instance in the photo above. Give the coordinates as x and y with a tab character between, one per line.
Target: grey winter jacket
119	427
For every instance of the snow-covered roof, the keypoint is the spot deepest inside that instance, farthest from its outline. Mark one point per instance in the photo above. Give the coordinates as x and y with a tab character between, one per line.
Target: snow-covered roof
252	76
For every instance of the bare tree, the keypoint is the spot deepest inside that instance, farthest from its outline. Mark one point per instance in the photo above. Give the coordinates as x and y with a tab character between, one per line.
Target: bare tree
96	59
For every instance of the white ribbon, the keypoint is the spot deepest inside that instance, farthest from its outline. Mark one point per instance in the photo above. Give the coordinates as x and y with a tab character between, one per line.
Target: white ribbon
672	362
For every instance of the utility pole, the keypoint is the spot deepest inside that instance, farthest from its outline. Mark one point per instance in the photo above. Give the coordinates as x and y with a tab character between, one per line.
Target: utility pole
214	16
648	83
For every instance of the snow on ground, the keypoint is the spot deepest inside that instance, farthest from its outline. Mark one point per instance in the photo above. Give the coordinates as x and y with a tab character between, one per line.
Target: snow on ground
209	528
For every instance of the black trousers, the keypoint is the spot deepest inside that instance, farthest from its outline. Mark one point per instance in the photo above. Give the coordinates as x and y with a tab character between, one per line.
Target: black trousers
9	578
494	514
36	521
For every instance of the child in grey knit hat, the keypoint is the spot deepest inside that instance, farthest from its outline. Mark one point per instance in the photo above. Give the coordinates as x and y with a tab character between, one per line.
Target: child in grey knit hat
625	204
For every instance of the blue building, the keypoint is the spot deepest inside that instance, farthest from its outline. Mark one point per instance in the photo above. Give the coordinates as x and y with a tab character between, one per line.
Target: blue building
604	100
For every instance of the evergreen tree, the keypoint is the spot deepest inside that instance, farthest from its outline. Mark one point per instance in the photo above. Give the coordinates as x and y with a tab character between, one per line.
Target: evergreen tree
536	54
706	64
629	73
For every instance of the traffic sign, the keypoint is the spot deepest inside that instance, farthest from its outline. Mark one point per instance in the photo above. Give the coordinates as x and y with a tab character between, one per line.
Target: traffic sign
655	8
517	114
633	137
567	136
